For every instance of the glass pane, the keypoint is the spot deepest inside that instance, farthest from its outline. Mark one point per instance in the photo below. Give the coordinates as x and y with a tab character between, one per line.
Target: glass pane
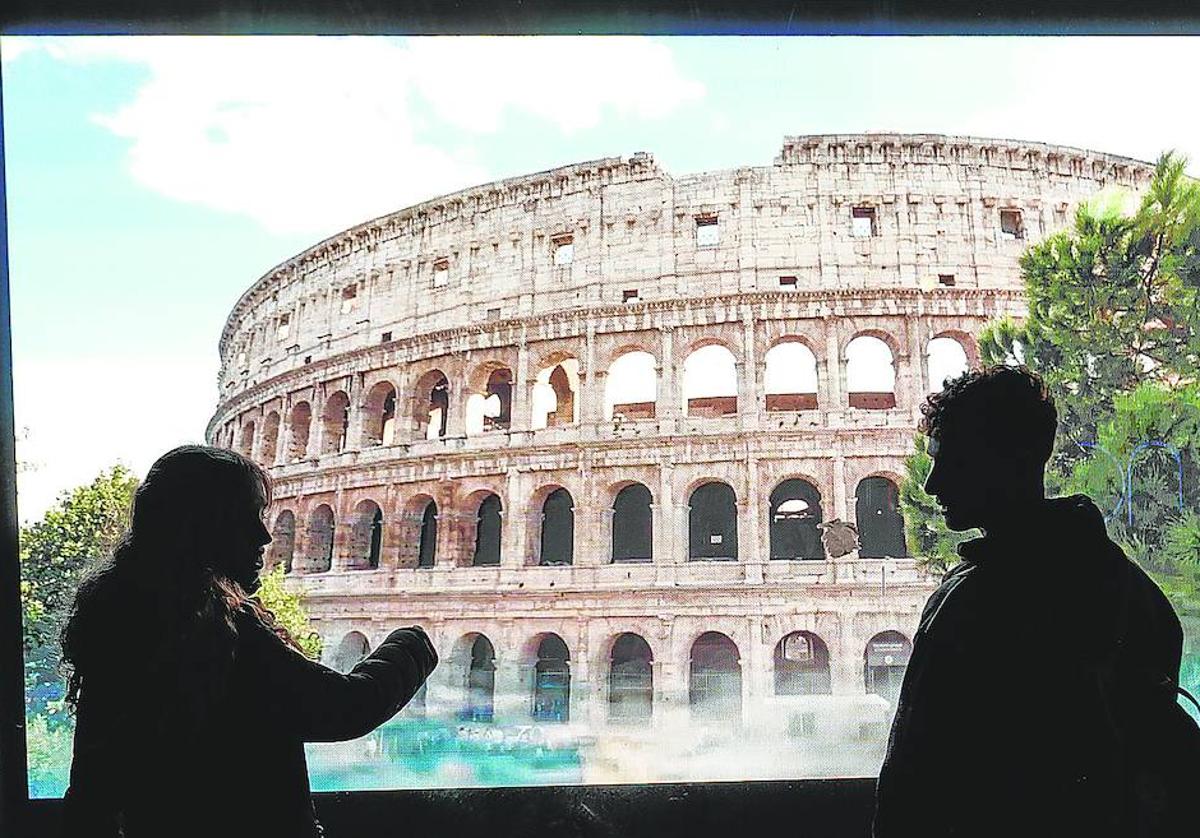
710	498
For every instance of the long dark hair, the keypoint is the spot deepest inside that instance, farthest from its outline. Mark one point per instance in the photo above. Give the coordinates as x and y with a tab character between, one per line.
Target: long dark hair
161	603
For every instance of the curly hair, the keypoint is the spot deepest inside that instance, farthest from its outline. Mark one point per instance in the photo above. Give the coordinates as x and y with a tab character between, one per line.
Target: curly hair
164	583
1007	406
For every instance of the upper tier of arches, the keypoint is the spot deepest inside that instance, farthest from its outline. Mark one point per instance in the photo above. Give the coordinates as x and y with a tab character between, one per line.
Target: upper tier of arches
887	211
710	380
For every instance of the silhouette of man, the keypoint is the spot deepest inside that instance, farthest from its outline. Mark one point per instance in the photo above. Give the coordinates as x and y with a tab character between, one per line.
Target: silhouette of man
1012	717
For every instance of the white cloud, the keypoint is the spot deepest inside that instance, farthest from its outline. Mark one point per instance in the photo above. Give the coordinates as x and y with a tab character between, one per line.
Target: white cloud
310	135
84	415
12	48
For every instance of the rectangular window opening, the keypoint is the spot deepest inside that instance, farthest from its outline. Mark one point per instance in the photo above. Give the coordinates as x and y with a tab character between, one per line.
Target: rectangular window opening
1011	225
946	279
630	295
285	326
708	231
787	282
385	337
493	314
863	222
441	272
349	297
564	250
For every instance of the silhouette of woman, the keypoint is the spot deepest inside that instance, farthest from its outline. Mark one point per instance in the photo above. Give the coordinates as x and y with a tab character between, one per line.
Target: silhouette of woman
192	703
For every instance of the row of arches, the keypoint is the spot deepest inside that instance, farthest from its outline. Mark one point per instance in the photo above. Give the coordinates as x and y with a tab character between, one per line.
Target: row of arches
794	527
800	666
710	388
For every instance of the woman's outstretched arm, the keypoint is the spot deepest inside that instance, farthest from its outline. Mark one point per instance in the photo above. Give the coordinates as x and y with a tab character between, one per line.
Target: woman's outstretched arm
319	704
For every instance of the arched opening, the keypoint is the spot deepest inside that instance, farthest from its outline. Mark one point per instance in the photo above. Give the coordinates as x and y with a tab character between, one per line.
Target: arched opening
335	423
301	424
481	681
283	540
802	665
366	537
379	423
631	680
558	528
631	387
795	514
433	405
427	544
491	410
870	374
885	661
270	438
712	523
715	683
710	382
946	358
880	523
554	393
632	525
320	539
350	651
791	377
246	443
552	681
487	533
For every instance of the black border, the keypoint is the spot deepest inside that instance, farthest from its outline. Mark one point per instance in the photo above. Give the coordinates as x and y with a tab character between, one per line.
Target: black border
815	808
604	17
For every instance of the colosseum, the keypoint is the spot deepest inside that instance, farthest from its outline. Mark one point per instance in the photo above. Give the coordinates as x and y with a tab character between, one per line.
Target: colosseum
627	444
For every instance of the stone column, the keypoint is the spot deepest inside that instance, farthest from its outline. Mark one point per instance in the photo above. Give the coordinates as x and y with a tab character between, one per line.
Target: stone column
671	707
456	405
342	540
514	552
455	537
316	425
522	397
832	388
750	403
667	406
918	374
846	660
590	538
512	698
591	406
357	395
664	511
755	670
283	443
754	517
840	503
582	690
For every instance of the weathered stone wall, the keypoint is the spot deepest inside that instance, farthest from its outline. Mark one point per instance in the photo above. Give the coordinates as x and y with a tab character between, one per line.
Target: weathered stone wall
936	263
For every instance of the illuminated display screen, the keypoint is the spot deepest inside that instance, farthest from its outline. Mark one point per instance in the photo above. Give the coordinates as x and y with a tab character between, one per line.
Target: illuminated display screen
631	435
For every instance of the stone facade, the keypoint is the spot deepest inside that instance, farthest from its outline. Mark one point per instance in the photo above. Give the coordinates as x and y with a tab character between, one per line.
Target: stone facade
330	361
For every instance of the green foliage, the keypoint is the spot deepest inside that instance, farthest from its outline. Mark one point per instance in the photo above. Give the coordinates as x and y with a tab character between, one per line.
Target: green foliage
1181	544
78	532
1114	311
288	608
1141	419
1112	304
925	531
32	611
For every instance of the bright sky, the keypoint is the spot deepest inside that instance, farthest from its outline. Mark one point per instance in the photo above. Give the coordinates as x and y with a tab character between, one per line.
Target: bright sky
151	180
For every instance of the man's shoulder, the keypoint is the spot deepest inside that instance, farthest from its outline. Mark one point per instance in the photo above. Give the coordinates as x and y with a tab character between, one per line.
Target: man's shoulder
959	585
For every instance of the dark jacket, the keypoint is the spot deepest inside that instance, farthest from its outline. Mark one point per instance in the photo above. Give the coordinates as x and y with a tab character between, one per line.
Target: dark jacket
242	771
1006	719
